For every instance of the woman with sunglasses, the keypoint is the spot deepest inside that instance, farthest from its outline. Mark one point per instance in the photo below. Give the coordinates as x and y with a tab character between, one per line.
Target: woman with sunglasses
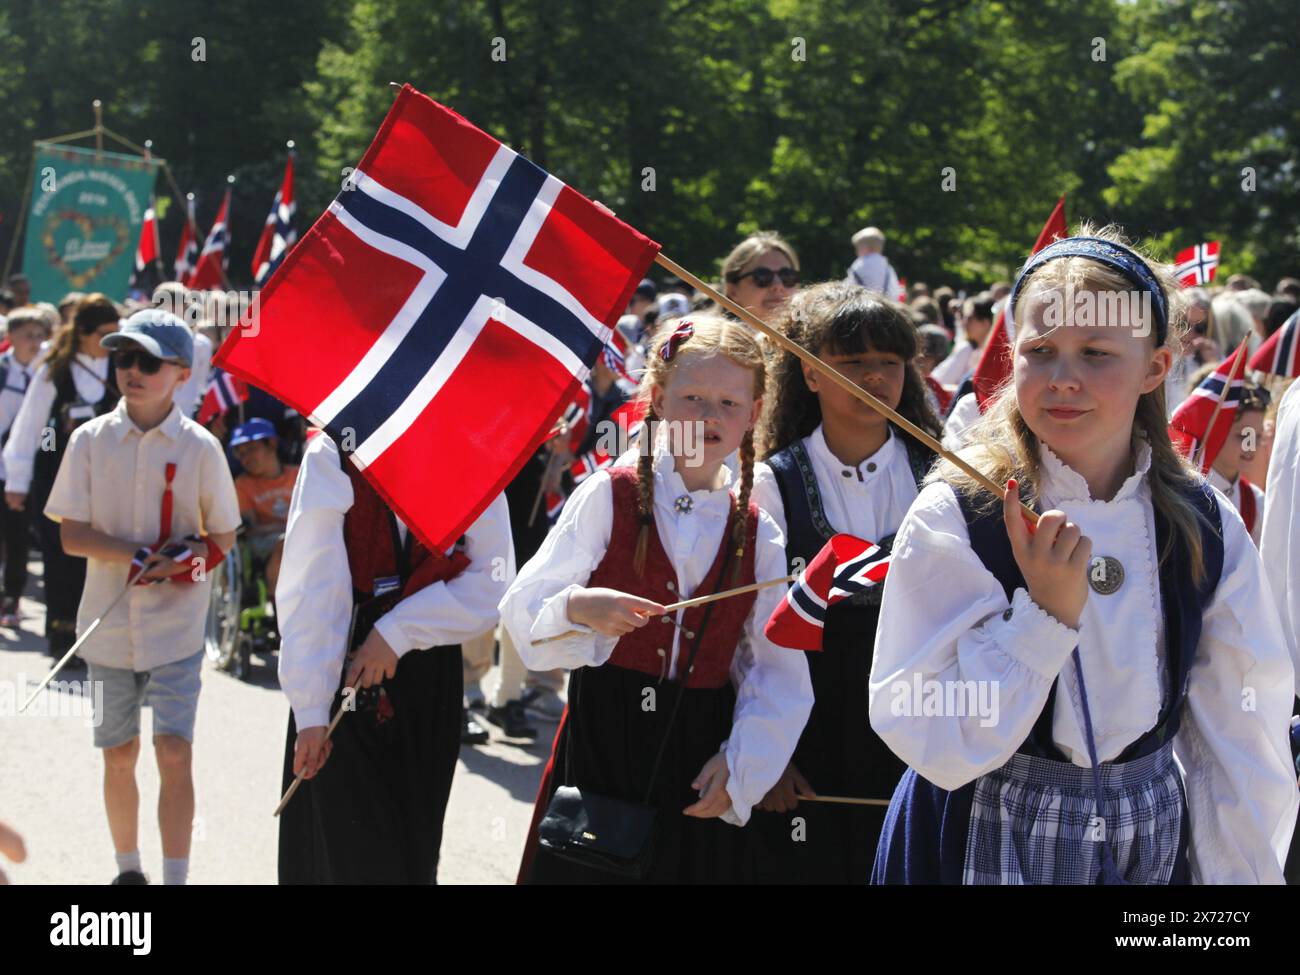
73	384
761	274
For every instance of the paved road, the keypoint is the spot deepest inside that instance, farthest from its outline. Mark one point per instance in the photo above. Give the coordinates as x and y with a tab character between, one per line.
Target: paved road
50	777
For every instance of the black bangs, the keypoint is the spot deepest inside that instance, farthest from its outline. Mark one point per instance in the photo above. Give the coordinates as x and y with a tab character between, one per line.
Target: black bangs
863	320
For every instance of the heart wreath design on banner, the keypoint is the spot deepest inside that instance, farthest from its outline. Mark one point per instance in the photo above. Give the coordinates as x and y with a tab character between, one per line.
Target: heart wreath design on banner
71	238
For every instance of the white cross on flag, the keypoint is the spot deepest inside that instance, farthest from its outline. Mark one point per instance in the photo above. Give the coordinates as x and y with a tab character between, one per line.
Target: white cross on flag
1197	265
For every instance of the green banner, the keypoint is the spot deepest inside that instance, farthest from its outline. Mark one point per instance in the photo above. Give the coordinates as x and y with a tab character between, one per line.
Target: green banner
84	223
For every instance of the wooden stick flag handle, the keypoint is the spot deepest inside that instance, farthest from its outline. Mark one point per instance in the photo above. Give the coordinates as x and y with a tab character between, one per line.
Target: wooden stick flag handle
74	648
839	379
851	800
298	779
687	604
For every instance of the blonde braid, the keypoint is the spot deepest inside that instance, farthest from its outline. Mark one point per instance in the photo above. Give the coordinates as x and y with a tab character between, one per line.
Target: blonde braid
645	490
740	527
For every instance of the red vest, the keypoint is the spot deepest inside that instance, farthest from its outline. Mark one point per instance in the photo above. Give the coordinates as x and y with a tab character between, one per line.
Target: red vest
368	535
649	649
1248	506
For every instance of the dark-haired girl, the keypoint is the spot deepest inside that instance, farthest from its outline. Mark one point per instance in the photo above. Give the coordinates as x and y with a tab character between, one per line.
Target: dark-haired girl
835	465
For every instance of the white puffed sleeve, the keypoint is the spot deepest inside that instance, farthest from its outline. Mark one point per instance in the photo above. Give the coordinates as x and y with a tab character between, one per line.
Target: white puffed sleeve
1233	742
313	596
25	434
767	495
944	617
774	693
1280	538
535	606
447	613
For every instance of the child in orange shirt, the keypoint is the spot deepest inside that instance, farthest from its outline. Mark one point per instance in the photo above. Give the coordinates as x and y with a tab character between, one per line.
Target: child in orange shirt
264	492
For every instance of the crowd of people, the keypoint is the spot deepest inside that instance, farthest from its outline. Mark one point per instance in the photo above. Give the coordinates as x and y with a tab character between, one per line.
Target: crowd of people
690	747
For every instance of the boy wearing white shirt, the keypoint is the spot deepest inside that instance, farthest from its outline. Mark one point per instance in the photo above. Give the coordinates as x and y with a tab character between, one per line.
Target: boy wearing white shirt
130	481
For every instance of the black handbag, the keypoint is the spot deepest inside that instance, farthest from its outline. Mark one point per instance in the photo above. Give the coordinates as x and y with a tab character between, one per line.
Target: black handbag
615	836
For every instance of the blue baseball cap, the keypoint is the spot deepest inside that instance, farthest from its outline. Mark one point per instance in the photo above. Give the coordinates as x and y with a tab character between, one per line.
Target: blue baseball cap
158	332
258	428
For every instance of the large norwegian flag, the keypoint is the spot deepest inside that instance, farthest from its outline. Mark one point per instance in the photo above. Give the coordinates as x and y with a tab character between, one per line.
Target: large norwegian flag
187	252
452	299
1280	353
1189	426
994	367
209	271
1197	265
278	234
223	393
845	566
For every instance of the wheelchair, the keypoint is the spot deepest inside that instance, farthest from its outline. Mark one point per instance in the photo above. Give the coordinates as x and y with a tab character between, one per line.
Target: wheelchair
241	617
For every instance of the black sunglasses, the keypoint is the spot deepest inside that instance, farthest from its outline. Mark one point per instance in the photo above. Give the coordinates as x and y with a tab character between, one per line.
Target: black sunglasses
764	276
146	363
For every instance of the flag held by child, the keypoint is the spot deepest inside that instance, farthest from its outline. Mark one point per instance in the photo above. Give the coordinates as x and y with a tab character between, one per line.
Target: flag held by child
224	392
1280	353
1197	265
845	566
450	275
1189	427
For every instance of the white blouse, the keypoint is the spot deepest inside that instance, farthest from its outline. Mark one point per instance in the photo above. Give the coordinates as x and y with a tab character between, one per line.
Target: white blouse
89	376
1280	538
868	500
773	688
1232	491
946	618
314	592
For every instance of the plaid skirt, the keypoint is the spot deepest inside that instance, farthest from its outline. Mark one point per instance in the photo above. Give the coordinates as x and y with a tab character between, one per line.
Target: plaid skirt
1033	821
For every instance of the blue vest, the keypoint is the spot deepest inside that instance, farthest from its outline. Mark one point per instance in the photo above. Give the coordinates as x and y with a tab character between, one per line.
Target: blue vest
924	839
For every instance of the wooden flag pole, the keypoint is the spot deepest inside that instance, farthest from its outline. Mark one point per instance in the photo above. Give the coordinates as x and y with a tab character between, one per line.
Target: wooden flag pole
839	379
75	647
851	800
298	779
688	603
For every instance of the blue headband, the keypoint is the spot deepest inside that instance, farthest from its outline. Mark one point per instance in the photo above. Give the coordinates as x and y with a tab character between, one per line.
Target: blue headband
1106	252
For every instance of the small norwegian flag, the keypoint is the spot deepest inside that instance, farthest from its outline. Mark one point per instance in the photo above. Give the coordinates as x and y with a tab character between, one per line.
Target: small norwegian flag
223	394
1188	427
1197	265
187	252
615	355
278	234
845	566
902	291
1280	353
148	249
209	272
629	420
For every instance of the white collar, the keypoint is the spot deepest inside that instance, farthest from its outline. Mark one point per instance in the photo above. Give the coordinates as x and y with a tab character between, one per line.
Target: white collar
881	459
1063	483
1217	480
669	484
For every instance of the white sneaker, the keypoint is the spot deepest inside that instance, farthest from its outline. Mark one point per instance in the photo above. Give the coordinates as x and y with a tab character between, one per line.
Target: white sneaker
543	703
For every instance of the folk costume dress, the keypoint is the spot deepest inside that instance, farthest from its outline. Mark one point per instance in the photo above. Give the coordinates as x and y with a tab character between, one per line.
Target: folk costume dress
1195	785
374	812
812	495
743	696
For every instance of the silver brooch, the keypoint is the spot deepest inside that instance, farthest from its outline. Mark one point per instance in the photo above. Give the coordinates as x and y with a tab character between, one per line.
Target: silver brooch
1105	574
684	504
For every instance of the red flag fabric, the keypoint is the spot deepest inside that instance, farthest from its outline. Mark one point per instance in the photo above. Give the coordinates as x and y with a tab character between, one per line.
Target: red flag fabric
187	252
1189	426
147	250
1197	265
278	234
208	272
450	279
628	420
1280	353
846	565
994	367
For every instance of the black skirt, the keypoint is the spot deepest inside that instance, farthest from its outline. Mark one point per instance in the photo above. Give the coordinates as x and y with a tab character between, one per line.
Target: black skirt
374	813
607	745
839	755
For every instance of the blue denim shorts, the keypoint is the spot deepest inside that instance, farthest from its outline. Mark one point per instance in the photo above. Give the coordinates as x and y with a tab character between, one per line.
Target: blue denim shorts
172	690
